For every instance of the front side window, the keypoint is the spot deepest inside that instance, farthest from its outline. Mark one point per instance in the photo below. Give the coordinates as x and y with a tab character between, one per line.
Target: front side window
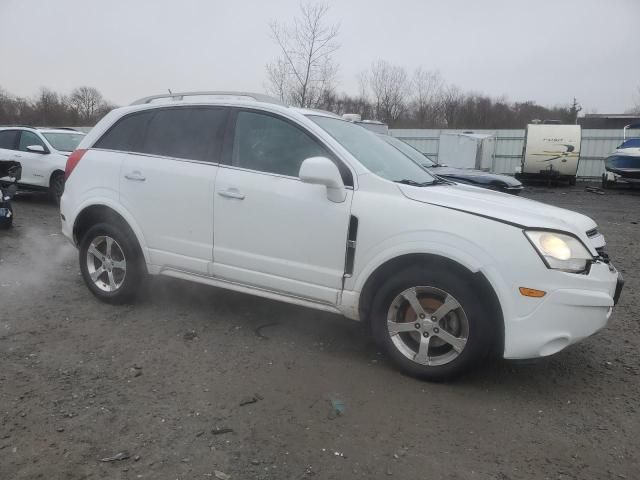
190	133
8	139
27	139
269	144
64	142
373	153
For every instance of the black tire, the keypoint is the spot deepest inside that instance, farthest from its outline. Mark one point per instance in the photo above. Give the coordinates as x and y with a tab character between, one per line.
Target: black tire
481	332
6	223
572	181
605	182
56	187
129	282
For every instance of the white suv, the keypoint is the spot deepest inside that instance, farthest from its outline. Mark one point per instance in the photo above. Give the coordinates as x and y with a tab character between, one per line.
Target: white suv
42	152
243	193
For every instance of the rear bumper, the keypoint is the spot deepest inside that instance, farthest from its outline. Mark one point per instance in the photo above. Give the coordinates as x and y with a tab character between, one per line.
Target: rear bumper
564	316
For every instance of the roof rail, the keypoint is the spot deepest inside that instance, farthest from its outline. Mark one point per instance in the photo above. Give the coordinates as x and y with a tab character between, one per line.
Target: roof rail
258	97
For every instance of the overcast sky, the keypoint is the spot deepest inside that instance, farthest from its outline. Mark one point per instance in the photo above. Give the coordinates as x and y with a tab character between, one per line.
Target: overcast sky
543	50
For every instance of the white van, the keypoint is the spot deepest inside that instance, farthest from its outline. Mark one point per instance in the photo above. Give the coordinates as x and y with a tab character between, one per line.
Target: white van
551	152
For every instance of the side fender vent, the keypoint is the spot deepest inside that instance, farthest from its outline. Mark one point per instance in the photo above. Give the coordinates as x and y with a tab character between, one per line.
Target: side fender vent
351	246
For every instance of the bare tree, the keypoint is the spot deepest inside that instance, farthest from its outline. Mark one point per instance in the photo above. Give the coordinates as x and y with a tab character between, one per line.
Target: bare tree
86	101
427	87
49	108
305	70
389	88
452	99
635	110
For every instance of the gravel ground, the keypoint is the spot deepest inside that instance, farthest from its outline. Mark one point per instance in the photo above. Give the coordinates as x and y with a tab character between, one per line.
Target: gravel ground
160	380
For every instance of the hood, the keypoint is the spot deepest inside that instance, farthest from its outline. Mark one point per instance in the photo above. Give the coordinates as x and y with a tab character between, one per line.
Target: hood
501	206
475	176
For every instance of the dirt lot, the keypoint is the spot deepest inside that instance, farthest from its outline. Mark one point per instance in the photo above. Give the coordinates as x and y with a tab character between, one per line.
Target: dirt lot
81	381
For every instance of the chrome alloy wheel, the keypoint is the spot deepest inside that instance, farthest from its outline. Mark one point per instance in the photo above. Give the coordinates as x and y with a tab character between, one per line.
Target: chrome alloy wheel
106	263
428	325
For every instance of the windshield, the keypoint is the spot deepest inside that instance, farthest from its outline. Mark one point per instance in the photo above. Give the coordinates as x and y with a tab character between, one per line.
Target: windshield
375	154
408	150
64	141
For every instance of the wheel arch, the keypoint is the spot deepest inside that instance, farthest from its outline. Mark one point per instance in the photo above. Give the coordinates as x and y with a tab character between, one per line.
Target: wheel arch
54	172
98	213
398	263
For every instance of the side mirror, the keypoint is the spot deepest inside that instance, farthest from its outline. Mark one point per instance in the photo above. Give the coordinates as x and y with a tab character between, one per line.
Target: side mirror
322	171
36	149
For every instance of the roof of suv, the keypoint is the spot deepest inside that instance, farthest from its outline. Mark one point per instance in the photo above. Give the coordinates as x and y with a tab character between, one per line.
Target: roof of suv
225	98
41	129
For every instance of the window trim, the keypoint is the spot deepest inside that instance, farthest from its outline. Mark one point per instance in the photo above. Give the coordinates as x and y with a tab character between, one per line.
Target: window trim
227	156
141	142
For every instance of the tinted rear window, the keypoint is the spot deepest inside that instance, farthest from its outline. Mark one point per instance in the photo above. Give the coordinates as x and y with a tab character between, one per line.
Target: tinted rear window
126	135
192	133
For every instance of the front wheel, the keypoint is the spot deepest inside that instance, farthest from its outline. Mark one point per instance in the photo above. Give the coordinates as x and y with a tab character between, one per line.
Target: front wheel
111	264
432	323
56	187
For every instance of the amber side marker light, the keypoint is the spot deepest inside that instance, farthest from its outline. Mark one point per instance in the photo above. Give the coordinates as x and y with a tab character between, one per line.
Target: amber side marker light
532	292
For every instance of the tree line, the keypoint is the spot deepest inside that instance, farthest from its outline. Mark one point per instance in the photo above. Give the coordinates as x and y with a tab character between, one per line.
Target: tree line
305	72
305	75
84	106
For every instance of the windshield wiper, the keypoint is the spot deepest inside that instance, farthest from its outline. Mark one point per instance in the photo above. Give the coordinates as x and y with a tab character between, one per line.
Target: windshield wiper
413	183
441	181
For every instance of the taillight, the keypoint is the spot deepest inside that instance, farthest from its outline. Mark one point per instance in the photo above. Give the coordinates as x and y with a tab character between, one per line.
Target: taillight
73	160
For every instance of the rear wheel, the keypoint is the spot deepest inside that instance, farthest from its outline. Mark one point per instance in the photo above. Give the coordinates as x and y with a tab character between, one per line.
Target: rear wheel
111	264
432	323
605	182
56	187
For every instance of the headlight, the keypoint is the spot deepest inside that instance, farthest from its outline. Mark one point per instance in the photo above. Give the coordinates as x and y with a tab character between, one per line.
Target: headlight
560	251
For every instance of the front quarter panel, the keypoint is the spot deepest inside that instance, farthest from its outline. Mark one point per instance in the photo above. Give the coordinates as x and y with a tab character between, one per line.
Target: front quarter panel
391	225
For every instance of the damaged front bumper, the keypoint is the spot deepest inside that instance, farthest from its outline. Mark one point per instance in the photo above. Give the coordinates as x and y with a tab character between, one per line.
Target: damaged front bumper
10	173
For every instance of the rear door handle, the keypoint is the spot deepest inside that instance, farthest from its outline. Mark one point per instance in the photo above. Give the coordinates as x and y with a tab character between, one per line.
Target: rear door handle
135	176
231	193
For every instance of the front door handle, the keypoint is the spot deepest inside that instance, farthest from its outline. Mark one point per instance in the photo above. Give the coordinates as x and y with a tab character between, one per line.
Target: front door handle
231	193
135	176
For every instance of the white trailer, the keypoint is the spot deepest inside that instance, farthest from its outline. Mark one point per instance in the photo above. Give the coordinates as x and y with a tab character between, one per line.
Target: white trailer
551	152
466	150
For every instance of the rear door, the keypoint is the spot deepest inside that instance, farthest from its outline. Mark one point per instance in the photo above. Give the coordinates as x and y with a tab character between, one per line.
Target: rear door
167	180
272	230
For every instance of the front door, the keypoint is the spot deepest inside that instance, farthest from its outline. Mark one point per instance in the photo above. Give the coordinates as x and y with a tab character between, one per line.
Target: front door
34	171
270	229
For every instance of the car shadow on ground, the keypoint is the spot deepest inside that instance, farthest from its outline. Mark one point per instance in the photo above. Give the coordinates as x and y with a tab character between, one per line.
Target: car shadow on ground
34	198
348	340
